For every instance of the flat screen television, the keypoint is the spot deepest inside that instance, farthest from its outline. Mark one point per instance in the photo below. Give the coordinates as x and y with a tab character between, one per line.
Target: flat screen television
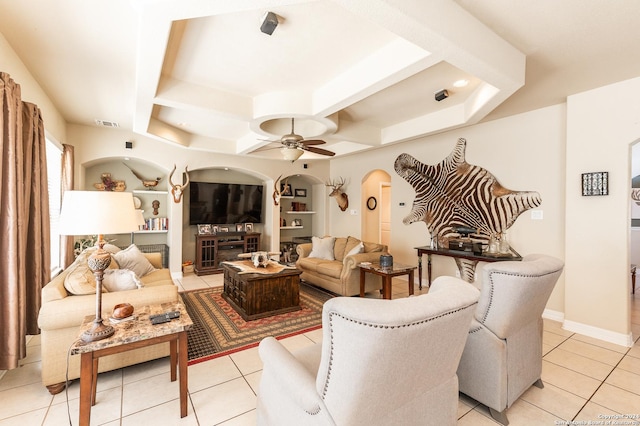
212	202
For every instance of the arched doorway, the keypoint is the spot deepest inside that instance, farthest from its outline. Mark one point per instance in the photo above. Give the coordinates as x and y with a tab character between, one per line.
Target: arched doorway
376	207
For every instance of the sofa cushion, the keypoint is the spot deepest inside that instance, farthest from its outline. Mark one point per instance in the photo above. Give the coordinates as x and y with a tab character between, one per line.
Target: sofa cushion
120	280
352	243
331	269
80	279
372	247
338	248
322	248
133	259
358	248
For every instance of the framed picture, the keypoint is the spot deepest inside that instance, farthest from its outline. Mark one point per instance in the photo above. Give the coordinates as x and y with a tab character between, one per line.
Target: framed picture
301	192
248	227
215	229
296	222
595	183
285	190
239	227
204	229
224	229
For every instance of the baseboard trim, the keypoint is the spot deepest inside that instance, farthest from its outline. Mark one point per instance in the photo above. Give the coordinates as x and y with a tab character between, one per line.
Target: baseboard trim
553	315
599	333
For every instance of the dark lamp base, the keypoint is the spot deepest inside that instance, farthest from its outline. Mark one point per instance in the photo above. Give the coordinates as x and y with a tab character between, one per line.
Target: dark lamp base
98	331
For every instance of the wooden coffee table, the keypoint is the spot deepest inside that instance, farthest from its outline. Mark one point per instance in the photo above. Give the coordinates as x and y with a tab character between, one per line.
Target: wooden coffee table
271	291
387	275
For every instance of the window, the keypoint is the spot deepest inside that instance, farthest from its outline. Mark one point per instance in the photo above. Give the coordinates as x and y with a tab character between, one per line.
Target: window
54	177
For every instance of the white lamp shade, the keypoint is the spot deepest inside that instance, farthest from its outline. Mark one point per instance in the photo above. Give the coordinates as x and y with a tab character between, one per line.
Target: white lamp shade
140	217
291	154
97	212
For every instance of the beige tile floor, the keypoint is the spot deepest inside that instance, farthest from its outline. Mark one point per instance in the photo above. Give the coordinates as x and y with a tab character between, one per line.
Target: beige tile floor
584	378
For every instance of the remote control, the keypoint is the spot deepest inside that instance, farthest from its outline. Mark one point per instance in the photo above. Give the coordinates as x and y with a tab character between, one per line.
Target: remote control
162	318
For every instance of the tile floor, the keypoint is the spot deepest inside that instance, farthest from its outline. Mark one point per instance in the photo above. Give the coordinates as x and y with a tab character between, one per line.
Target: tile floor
584	378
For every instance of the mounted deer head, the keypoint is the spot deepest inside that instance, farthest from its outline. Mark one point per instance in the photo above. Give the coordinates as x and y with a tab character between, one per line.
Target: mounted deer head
341	198
178	190
276	192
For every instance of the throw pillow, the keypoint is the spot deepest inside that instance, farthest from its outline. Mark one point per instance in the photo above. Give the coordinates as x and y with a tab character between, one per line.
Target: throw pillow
120	280
357	249
133	259
322	248
80	279
111	248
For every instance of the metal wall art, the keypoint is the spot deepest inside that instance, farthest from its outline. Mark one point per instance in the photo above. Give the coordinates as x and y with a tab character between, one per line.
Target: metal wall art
595	183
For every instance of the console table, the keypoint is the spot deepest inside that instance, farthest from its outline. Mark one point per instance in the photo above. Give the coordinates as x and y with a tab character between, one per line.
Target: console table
137	333
213	249
458	255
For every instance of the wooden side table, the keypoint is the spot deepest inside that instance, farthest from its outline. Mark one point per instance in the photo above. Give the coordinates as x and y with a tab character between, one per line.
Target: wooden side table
129	335
387	275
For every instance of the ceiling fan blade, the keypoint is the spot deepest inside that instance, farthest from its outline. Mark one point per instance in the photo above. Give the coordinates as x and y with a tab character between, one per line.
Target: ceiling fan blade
318	150
312	142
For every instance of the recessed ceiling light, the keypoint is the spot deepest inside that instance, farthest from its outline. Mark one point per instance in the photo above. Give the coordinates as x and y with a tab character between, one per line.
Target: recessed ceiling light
460	83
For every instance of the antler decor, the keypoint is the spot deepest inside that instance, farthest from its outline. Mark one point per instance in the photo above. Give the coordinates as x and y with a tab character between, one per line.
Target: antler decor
178	190
341	198
276	192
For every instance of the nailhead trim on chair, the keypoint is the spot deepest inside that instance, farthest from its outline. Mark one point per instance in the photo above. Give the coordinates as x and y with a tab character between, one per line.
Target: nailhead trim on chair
332	314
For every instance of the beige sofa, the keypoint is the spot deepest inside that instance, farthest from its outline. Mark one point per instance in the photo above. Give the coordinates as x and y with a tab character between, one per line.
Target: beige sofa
62	314
340	275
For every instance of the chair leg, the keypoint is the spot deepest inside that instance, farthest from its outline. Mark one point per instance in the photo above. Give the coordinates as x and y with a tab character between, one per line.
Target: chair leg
499	416
539	384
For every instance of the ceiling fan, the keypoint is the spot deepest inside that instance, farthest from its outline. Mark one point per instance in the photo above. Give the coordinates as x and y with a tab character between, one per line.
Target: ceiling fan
294	145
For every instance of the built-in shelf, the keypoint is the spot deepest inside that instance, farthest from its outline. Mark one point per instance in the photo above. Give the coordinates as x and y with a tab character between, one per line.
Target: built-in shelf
291	227
154	231
286	197
146	191
295	212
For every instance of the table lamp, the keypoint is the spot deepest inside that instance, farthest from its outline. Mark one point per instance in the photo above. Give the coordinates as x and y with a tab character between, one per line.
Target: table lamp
97	213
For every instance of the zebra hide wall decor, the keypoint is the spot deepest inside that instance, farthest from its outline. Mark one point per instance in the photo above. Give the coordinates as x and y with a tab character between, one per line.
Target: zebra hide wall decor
454	193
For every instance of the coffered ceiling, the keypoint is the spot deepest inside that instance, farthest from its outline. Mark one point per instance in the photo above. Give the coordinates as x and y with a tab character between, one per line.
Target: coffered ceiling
358	74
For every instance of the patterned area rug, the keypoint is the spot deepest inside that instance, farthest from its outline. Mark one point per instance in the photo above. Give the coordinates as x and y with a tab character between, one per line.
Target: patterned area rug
219	330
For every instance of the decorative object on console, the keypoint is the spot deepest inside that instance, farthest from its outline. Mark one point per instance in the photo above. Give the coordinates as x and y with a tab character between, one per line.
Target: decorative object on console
462	195
595	183
205	229
109	213
260	258
341	198
248	227
386	261
122	310
147	183
178	190
109	184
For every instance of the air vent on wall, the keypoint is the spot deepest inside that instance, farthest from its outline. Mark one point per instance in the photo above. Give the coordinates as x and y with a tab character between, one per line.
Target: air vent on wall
107	123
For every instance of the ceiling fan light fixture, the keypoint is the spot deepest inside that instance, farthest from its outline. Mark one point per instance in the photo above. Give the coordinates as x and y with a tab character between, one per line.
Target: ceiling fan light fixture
291	154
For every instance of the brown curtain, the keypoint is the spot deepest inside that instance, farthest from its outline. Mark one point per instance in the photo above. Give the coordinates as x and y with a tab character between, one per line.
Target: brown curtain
66	242
24	221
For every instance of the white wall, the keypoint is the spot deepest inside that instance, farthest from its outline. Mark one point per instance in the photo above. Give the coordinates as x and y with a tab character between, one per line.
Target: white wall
10	63
602	124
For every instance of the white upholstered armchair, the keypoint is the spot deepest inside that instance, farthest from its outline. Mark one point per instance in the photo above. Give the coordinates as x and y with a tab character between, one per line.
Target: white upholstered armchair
381	362
503	354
